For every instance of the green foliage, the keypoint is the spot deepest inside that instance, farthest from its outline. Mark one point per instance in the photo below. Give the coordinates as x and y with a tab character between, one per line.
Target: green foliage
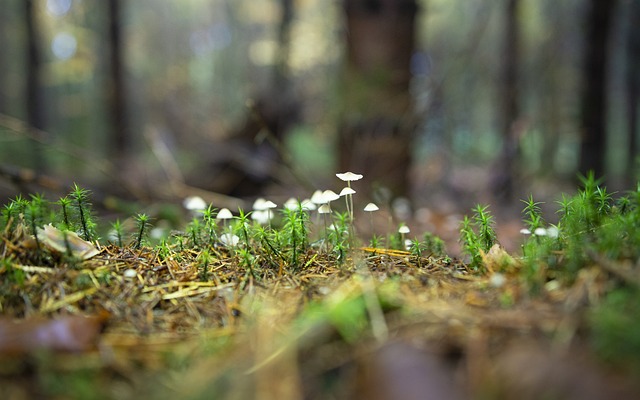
204	259
433	245
296	233
477	235
65	205
376	241
82	207
591	225
616	328
533	219
143	224
117	232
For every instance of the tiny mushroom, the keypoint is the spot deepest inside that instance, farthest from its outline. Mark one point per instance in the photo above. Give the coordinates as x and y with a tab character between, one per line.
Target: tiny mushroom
324	209
261	216
404	229
308	205
371	207
194	203
259	204
349	176
224	214
317	197
329	196
291	204
346	191
540	232
229	239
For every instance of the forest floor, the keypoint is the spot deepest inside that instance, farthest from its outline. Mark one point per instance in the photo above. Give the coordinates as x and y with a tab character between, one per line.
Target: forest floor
380	325
373	324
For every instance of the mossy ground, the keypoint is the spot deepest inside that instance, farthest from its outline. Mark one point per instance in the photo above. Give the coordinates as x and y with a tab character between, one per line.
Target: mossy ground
277	316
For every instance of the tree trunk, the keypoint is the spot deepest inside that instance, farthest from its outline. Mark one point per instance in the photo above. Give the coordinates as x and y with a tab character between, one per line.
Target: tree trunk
250	161
633	89
376	128
599	21
34	88
120	140
4	61
504	173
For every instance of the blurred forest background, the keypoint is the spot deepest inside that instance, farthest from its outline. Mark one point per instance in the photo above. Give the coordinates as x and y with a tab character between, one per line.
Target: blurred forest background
430	99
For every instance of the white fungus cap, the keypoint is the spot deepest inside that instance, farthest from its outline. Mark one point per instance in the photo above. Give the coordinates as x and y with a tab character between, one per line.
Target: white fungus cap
404	229
540	232
307	204
259	204
269	205
262	216
324	209
194	203
349	176
229	239
371	207
346	191
329	195
224	214
553	231
291	204
317	198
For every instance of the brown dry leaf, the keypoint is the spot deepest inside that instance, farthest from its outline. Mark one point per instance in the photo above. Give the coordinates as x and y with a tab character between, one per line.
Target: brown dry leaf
498	260
63	241
71	333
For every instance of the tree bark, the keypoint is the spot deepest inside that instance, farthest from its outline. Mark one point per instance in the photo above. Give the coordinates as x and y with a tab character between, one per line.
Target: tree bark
376	128
120	143
599	23
34	88
633	89
505	171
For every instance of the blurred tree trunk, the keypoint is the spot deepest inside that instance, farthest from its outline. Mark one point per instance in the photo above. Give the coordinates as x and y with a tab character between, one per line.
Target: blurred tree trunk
120	140
377	125
598	26
251	159
633	89
34	88
4	61
505	170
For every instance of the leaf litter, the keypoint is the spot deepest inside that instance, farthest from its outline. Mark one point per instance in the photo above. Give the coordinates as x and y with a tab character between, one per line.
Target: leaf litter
359	327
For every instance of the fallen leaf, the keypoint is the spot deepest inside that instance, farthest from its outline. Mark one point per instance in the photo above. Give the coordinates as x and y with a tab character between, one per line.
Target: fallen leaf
69	333
66	241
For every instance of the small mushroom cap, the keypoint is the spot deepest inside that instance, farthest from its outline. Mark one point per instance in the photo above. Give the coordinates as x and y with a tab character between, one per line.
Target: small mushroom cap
291	204
329	195
262	216
324	209
540	232
194	203
259	204
308	204
269	204
404	229
349	176
229	239
347	191
224	214
317	198
371	207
